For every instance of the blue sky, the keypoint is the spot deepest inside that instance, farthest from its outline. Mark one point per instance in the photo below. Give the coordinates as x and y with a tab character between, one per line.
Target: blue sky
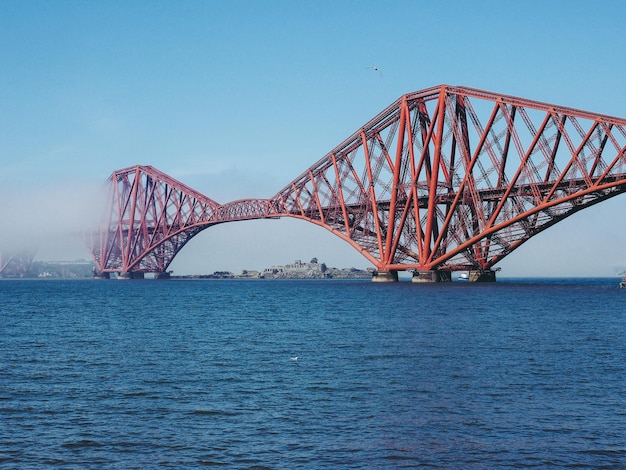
237	98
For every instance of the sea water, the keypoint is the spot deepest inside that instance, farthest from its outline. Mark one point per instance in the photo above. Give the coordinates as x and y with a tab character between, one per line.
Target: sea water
312	374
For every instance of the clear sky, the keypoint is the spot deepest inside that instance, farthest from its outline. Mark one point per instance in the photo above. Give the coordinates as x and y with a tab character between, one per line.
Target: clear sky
237	98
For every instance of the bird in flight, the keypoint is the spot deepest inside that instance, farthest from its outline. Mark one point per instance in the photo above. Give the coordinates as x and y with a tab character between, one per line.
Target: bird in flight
375	69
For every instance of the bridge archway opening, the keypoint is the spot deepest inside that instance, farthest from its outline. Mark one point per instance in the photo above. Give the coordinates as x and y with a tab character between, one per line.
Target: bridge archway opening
262	243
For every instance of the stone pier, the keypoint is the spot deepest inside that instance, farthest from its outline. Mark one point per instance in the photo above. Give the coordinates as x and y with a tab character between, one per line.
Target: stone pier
385	276
164	275
97	275
130	275
480	275
431	276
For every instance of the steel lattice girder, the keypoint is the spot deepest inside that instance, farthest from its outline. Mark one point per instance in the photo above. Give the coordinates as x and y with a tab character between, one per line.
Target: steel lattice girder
447	178
454	178
150	217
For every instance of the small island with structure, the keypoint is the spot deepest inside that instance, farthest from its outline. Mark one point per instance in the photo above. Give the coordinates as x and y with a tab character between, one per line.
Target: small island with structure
296	270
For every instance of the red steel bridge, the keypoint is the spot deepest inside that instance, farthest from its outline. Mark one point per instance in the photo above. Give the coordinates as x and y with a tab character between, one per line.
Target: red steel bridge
16	263
444	179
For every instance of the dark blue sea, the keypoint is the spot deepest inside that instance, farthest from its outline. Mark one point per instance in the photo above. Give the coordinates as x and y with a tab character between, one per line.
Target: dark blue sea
312	374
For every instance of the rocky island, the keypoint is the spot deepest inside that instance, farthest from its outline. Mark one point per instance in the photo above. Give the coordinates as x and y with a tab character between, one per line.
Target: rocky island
296	270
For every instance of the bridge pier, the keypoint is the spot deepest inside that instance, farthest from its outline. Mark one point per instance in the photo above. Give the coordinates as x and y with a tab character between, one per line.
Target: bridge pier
480	275
163	275
97	275
130	275
431	276
385	276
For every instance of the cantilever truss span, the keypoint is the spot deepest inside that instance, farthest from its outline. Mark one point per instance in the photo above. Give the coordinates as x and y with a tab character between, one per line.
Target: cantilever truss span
149	217
16	263
447	178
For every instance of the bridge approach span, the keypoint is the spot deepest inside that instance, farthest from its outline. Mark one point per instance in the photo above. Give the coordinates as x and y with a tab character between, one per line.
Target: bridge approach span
444	179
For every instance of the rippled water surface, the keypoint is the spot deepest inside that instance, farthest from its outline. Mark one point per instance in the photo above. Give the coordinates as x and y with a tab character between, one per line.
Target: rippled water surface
312	374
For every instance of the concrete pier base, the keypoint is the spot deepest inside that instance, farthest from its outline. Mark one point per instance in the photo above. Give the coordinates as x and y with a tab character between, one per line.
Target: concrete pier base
385	276
97	275
164	275
482	276
130	275
431	276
